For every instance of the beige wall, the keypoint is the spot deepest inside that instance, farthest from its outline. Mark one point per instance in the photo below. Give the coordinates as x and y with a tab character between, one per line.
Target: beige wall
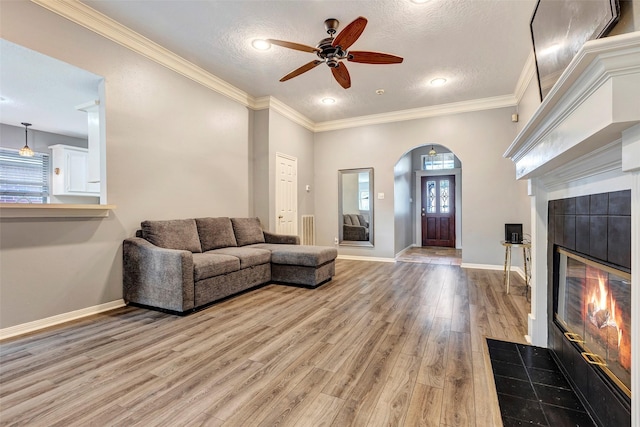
174	150
629	20
491	197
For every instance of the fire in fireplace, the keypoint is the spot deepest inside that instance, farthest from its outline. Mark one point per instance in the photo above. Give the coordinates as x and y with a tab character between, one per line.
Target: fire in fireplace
594	310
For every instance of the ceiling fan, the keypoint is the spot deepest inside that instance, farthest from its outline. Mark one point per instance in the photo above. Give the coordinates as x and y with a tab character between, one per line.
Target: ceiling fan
333	50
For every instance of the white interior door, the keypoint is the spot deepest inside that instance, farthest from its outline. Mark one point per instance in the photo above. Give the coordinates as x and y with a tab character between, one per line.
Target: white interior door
286	194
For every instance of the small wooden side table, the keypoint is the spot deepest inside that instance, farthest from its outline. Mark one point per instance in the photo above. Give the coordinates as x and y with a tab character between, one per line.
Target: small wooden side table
526	247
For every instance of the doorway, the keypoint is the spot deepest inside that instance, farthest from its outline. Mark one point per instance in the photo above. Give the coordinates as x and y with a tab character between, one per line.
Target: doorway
286	194
438	211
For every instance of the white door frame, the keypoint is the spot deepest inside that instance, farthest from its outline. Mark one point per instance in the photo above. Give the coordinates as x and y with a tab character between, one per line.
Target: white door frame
288	224
418	198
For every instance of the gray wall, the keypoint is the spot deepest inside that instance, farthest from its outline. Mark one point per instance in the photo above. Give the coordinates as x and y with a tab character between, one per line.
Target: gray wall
403	200
13	137
287	137
260	157
491	197
174	150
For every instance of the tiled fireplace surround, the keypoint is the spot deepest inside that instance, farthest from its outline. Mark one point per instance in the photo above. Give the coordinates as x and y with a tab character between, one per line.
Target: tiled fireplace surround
584	139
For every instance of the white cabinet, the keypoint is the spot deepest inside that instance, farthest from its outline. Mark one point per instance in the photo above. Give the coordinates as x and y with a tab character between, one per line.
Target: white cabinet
70	166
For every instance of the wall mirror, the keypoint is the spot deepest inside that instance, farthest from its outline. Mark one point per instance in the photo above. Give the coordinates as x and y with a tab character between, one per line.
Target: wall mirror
355	207
65	107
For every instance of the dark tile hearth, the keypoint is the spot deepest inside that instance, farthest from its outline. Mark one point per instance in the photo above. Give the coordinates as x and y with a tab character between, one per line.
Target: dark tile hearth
531	388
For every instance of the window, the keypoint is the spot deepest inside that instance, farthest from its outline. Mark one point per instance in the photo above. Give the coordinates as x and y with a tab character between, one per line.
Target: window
23	179
364	201
437	162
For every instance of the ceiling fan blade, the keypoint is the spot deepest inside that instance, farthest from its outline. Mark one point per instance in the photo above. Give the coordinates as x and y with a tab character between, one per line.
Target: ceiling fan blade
306	67
291	45
341	74
350	33
373	57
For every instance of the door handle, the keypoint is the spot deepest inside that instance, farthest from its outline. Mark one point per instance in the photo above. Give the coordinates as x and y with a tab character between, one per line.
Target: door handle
280	217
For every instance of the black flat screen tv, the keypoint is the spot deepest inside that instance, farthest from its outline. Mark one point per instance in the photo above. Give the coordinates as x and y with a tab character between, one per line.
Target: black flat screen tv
560	28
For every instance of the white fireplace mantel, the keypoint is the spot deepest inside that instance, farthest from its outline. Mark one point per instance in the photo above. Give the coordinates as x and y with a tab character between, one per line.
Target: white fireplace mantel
584	138
594	101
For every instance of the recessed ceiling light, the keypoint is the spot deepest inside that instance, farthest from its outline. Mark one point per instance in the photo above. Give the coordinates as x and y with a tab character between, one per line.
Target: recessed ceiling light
328	101
260	44
438	82
419	1
379	91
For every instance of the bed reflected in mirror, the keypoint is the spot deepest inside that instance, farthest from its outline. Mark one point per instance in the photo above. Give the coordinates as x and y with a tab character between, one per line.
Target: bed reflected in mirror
355	207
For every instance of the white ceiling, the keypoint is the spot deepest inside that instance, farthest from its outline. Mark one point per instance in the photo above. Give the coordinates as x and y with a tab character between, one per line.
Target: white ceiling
479	46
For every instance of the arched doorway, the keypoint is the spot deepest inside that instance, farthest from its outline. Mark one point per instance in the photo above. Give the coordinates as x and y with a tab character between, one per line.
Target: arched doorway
409	174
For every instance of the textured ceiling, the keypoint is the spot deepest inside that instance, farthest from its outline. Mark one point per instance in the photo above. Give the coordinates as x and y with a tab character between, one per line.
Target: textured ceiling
479	46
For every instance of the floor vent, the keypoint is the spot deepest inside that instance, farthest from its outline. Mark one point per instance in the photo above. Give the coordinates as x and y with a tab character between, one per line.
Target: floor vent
308	230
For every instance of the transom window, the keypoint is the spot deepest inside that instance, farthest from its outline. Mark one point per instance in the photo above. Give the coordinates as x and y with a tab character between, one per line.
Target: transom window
438	162
23	179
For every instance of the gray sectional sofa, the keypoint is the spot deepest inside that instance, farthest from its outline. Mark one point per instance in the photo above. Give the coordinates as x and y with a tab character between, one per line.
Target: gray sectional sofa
182	265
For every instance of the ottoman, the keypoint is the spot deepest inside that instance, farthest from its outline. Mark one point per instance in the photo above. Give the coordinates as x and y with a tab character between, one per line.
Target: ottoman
307	266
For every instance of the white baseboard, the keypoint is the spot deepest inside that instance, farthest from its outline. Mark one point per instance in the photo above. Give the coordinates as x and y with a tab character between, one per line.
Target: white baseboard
482	266
413	245
366	258
36	325
514	269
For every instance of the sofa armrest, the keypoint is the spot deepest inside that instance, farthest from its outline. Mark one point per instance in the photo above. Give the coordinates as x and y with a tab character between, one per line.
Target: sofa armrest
280	238
156	276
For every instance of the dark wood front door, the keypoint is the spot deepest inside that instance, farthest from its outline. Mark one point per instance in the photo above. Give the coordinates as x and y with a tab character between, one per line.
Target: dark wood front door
438	211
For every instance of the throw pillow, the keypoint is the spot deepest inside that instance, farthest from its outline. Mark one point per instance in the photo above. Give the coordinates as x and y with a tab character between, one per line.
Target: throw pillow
179	234
215	233
247	230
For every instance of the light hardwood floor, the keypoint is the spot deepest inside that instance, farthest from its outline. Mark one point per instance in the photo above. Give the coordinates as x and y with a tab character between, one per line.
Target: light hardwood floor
381	344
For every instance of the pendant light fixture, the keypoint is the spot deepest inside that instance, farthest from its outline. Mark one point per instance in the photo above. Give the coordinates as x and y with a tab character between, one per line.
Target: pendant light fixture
432	152
26	151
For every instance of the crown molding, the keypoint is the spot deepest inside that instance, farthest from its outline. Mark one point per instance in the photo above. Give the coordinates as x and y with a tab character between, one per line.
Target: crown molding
527	74
419	113
275	104
95	21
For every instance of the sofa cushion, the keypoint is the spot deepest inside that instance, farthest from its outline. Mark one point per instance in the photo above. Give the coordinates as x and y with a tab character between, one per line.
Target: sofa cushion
303	255
247	230
248	256
347	219
215	233
179	234
210	265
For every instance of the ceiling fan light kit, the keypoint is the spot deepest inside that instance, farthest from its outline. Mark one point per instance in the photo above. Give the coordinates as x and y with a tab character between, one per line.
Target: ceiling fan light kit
333	50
